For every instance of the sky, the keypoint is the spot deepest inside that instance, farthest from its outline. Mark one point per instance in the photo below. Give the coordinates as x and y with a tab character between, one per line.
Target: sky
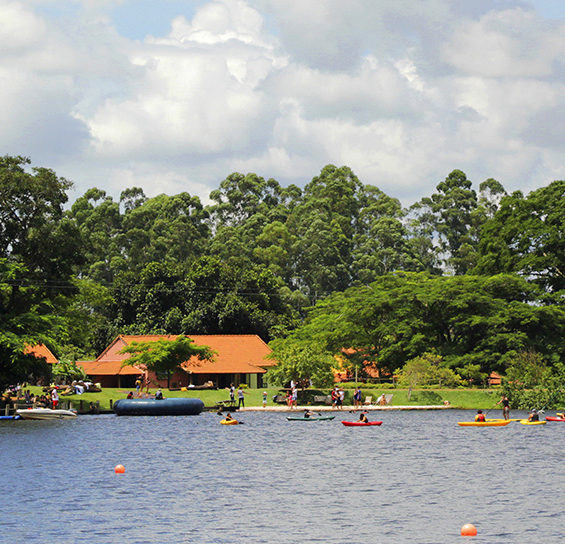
174	95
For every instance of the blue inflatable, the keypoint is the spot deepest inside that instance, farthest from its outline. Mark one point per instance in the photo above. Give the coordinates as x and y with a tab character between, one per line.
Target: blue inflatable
154	407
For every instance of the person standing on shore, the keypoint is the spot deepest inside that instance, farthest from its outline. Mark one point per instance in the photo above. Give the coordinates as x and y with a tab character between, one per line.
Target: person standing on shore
357	398
264	399
505	406
232	392
240	398
54	398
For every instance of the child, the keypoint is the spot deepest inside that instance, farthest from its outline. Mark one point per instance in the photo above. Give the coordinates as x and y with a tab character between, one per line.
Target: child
264	399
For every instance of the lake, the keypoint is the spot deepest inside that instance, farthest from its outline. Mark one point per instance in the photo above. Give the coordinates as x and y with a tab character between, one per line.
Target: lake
416	479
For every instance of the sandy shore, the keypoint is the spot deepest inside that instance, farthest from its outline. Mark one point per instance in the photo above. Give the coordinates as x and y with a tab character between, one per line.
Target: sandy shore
284	408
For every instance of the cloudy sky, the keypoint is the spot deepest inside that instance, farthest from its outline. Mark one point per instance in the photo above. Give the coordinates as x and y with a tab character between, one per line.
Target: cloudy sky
174	95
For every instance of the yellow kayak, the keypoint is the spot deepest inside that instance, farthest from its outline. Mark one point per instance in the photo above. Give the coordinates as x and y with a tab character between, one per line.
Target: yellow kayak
229	422
500	419
526	422
498	423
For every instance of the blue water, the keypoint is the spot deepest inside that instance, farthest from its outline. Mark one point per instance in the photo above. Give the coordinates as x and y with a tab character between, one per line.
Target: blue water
416	479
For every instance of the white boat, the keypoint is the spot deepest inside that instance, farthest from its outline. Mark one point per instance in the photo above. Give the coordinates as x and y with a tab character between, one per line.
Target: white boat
45	413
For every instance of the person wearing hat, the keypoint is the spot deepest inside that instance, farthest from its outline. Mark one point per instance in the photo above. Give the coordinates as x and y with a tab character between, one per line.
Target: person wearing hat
534	416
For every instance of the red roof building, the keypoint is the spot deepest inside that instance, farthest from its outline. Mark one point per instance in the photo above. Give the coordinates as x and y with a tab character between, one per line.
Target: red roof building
41	351
239	358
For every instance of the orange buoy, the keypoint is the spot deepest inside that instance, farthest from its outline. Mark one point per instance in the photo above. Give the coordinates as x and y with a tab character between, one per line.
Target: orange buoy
119	469
468	530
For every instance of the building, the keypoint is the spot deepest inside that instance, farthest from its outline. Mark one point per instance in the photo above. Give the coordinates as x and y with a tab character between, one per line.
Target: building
240	358
41	351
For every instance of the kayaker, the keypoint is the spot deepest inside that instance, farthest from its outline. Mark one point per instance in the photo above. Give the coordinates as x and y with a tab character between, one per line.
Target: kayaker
505	406
228	417
480	416
561	415
534	416
363	417
308	413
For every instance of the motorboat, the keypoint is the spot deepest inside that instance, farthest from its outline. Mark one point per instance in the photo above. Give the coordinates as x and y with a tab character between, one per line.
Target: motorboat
45	413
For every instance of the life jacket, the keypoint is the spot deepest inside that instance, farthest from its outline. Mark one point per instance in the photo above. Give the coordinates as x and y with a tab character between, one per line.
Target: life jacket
480	417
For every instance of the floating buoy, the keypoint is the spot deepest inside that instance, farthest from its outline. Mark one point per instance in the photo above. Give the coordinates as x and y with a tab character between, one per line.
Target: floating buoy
119	469
468	530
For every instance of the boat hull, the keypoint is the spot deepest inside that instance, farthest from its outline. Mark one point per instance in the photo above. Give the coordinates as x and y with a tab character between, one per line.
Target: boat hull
361	423
526	422
501	423
553	418
45	413
315	418
163	407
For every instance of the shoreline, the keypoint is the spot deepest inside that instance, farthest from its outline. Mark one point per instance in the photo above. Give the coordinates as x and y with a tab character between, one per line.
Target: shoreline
335	410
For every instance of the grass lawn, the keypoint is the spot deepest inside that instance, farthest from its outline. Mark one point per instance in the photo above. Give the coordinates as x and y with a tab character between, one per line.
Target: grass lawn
458	398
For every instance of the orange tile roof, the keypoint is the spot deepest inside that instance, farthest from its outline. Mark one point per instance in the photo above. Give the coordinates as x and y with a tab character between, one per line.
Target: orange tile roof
109	368
41	350
235	353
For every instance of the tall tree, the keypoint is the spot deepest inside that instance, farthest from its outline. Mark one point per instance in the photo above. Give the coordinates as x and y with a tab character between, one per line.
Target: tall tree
526	236
448	215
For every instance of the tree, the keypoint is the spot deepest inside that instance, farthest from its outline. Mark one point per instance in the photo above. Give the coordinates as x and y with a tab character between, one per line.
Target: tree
531	383
525	236
449	215
427	369
301	362
165	356
464	319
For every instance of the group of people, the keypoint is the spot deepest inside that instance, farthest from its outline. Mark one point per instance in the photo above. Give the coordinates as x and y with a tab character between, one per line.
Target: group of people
338	396
49	399
240	395
505	402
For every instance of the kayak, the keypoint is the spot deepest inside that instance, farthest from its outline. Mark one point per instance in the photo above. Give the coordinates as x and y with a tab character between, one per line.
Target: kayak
314	418
499	423
526	422
12	418
229	422
500	419
554	418
361	423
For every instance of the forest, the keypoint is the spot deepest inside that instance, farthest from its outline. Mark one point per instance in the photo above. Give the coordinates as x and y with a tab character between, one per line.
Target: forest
471	278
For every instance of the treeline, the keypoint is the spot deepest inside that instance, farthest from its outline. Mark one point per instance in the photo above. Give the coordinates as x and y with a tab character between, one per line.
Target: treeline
472	274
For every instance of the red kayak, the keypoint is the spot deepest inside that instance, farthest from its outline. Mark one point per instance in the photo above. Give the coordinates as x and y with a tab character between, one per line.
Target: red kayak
360	423
553	418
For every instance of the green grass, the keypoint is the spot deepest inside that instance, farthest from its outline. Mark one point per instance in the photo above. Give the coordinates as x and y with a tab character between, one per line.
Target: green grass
458	398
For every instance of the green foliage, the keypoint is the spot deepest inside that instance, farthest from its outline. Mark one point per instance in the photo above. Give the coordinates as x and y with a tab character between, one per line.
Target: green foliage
68	371
301	362
526	236
530	383
164	356
427	370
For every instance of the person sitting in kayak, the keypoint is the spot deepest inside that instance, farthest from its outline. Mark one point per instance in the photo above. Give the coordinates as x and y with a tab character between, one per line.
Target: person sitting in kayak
308	413
534	416
363	417
228	417
480	416
561	415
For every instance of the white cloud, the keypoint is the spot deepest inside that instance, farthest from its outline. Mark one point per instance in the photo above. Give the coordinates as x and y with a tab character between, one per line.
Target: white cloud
401	92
